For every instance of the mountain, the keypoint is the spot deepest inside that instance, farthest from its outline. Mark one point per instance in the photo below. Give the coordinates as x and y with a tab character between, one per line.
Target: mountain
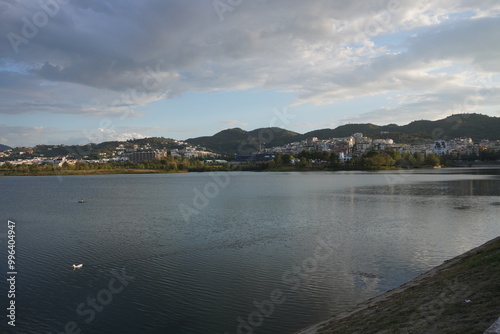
475	126
105	147
344	131
4	147
238	140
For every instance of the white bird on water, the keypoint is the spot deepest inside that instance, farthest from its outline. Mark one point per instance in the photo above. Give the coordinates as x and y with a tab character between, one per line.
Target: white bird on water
77	266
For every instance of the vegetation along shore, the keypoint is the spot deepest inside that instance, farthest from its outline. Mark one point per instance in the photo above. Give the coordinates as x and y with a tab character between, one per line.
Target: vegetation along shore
304	161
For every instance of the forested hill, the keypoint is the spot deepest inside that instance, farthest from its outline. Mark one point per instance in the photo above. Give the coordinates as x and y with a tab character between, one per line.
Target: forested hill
238	140
4	147
475	126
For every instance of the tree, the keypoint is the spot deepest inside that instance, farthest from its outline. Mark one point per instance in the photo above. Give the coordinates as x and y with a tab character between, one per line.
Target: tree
287	159
322	155
305	154
81	165
372	154
197	164
9	166
409	159
33	168
419	158
303	162
278	160
171	163
396	155
432	160
376	158
334	160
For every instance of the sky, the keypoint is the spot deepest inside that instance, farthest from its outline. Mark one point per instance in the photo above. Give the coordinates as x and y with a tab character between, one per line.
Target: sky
80	71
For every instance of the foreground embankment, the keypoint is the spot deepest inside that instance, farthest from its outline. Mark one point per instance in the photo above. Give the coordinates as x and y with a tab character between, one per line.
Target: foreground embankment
460	296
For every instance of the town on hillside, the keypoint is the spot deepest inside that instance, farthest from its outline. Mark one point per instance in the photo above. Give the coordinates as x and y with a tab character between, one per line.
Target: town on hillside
122	152
356	145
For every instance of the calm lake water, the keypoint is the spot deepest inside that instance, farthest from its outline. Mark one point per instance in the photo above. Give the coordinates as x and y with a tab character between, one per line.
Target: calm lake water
244	253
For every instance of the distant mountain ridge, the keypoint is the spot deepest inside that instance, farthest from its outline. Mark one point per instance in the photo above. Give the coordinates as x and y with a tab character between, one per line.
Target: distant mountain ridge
237	140
475	126
4	147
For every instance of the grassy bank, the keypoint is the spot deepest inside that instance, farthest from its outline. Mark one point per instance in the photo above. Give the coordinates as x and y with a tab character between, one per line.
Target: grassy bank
460	296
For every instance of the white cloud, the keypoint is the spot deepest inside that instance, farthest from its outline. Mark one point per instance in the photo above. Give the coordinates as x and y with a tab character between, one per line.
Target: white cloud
109	58
25	135
233	123
103	134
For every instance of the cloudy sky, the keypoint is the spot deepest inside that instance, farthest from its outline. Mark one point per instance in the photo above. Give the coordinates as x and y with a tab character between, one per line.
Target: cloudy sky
79	71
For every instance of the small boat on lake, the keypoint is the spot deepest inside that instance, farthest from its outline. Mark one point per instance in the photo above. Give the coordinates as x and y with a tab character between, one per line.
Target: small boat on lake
81	200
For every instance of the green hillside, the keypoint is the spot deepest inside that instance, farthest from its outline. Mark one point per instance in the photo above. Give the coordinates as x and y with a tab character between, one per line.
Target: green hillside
240	141
92	150
475	126
4	147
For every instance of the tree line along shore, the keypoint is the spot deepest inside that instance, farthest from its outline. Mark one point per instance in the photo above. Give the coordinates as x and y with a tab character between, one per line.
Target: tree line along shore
305	161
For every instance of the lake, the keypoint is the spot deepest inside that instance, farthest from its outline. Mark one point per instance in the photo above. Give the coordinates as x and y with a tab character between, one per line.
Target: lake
230	252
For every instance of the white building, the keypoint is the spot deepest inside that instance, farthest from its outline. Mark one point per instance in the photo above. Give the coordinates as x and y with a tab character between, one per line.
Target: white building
440	147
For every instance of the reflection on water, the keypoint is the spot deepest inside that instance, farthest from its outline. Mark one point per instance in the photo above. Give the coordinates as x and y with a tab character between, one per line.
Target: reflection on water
325	241
483	187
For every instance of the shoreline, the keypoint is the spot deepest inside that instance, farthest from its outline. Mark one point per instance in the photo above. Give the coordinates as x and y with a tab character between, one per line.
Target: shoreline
5	173
462	295
92	172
